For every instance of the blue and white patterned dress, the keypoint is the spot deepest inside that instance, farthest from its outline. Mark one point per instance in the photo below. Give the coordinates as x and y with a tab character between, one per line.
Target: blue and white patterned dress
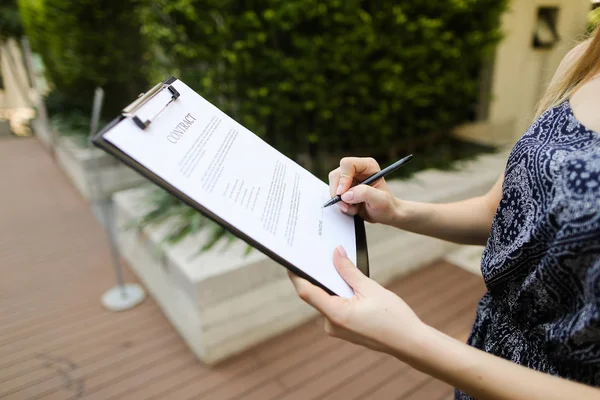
541	264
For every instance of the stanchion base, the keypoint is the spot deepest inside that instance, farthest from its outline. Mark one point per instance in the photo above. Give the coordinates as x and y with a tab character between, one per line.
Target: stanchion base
123	298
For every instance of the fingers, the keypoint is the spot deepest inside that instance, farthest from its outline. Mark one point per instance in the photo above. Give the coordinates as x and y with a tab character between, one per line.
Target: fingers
354	168
313	295
347	270
350	209
351	168
334	181
334	178
375	198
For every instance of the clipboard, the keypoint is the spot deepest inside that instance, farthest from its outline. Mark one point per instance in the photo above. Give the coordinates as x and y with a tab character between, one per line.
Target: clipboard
362	257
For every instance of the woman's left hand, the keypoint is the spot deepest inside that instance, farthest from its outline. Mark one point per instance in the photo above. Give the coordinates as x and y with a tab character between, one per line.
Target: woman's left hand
374	317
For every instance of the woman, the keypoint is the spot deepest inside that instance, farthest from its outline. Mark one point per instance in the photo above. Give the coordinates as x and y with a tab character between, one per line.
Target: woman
537	329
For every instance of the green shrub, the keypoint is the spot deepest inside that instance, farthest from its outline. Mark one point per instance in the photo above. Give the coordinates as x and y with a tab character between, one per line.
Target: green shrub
324	79
330	77
594	18
183	221
85	44
10	21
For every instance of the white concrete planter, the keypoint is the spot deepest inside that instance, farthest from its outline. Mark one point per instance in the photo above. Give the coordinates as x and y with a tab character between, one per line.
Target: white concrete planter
96	174
43	133
223	303
5	130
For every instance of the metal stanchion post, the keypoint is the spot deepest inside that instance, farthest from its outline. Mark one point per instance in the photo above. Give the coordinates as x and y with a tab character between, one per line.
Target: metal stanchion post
124	295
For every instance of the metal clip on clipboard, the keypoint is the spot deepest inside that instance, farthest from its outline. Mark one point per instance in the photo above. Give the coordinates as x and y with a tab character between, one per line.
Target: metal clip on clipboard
130	110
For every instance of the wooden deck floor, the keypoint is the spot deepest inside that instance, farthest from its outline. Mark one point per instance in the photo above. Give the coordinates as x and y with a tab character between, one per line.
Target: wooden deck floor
56	342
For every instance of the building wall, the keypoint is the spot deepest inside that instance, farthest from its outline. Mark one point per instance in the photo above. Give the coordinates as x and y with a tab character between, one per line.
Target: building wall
522	72
17	90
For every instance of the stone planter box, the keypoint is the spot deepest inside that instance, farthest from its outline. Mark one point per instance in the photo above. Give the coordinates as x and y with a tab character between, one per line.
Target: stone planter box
223	303
5	130
94	173
43	133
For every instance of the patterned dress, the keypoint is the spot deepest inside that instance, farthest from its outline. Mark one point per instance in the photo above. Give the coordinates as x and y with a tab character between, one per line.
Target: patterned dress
541	264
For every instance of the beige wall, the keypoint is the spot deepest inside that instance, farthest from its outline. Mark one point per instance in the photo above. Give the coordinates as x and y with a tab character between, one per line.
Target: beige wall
17	91
16	103
522	72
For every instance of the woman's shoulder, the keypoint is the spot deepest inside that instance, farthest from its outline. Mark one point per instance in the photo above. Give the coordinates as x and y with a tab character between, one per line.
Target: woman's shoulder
586	104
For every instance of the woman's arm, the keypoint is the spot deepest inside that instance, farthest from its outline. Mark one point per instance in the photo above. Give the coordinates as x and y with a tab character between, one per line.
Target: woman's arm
467	222
483	375
378	319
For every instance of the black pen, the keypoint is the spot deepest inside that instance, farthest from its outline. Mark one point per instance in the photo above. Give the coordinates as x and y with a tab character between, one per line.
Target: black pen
374	178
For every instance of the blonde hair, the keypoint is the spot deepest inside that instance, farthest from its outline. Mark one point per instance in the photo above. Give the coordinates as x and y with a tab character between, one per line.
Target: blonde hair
579	69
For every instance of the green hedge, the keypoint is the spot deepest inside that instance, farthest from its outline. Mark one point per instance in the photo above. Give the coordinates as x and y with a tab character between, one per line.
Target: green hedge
314	78
10	22
337	76
85	44
594	18
327	78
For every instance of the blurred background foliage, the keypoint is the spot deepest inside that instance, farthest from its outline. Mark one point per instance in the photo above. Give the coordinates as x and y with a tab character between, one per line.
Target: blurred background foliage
85	44
320	79
316	79
10	21
324	79
594	17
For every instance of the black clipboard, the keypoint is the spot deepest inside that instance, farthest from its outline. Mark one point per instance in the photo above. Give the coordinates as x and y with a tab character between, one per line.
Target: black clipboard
362	256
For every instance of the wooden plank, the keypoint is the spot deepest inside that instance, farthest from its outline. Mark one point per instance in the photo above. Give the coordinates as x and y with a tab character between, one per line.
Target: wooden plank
343	372
447	397
254	378
119	368
431	389
451	310
198	387
88	335
84	352
23	327
126	387
45	378
64	287
169	382
68	323
320	364
268	391
282	344
398	385
369	378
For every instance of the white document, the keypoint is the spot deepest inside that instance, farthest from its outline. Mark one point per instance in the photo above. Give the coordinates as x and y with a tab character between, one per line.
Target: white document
236	175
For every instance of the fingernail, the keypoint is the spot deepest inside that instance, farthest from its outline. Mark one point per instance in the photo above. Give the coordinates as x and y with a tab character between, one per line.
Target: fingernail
341	251
348	196
339	189
343	206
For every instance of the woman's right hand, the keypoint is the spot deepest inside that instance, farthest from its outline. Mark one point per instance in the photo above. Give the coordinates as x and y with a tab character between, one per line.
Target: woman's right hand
374	203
